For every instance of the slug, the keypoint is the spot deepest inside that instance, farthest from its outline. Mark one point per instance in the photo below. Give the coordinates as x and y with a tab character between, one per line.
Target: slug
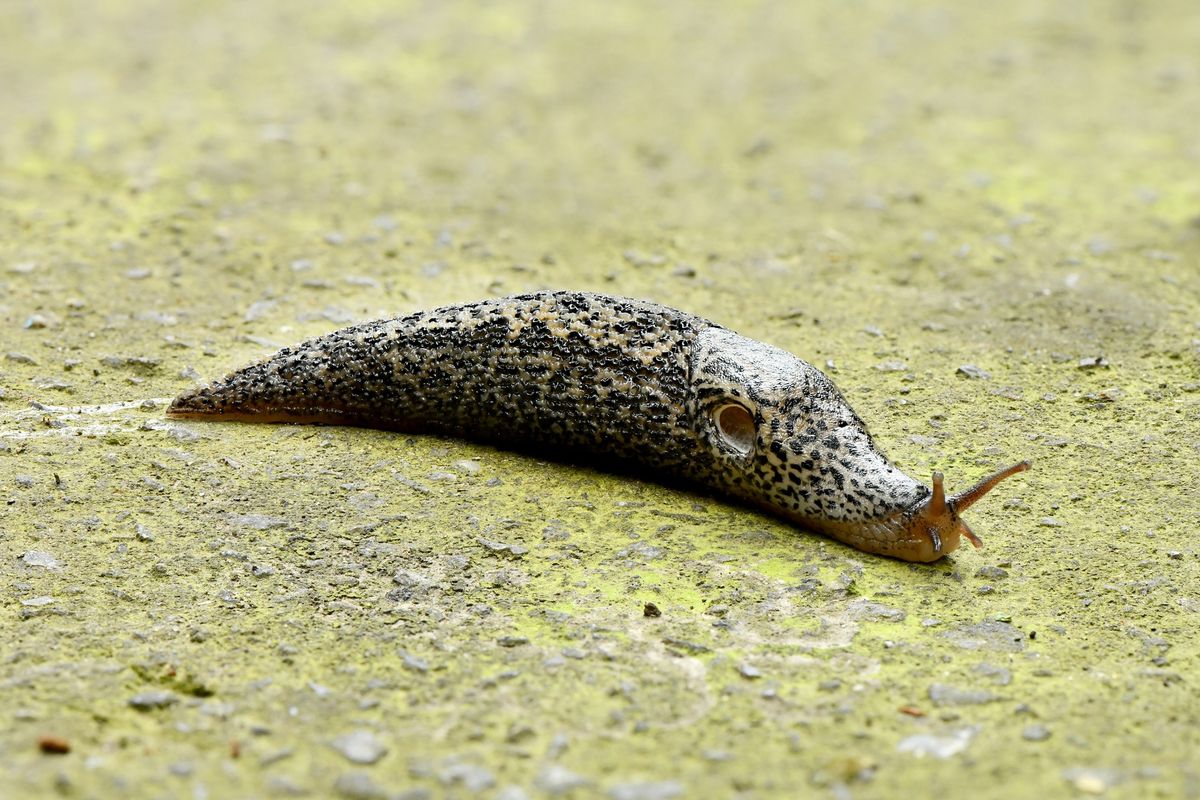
621	379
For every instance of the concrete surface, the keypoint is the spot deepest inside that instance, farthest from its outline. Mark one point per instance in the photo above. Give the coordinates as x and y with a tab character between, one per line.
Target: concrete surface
891	191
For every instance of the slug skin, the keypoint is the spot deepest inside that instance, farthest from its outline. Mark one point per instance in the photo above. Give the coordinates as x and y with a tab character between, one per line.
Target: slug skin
629	380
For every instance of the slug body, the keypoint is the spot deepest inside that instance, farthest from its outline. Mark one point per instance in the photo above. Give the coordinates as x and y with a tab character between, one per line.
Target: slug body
618	378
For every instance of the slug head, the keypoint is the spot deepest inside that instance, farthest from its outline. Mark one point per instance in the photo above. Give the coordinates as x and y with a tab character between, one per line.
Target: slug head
783	437
935	527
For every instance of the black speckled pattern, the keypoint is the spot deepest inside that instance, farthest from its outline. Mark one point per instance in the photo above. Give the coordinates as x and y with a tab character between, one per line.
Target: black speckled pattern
580	372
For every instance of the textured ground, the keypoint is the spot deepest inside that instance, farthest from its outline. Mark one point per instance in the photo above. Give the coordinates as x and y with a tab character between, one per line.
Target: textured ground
238	611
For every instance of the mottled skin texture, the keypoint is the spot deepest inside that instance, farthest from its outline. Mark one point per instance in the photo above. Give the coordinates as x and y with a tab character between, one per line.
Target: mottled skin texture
623	379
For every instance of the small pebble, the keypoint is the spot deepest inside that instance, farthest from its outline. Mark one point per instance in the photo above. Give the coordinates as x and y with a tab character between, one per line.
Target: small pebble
511	793
868	610
39	558
413	663
504	548
519	732
512	641
749	671
472	777
1090	781
1035	733
358	786
361	747
639	259
1001	676
419	793
974	372
557	780
654	790
945	695
987	635
258	522
283	786
137	363
927	744
148	701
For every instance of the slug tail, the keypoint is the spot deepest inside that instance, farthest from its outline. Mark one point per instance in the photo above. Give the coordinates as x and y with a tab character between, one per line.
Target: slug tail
222	403
199	403
237	400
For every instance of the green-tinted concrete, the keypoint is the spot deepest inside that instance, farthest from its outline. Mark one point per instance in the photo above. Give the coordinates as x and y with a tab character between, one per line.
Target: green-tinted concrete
898	191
